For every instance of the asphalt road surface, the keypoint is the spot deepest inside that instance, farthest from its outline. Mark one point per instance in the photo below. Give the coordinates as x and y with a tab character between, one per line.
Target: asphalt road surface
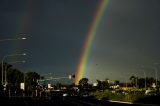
61	101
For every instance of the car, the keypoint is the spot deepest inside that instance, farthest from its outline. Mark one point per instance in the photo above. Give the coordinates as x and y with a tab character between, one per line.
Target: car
85	94
65	94
150	92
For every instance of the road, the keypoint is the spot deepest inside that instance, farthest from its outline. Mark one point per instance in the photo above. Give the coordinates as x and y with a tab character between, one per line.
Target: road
62	101
93	102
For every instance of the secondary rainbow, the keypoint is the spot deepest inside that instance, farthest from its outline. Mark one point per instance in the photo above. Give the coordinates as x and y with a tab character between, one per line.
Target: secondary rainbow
86	49
23	21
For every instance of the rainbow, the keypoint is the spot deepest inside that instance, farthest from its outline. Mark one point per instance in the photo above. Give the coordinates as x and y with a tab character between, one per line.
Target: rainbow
86	49
25	18
23	23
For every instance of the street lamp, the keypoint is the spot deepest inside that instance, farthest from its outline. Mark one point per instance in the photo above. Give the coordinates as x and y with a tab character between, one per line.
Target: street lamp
9	39
23	38
9	56
156	70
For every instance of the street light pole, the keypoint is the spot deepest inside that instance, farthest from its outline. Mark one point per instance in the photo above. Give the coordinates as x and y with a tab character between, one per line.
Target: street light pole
9	39
3	63
155	69
145	78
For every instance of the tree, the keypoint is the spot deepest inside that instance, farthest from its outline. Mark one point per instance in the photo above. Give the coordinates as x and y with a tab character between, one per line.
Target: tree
13	78
102	85
150	81
133	80
141	82
31	82
83	84
31	79
106	83
99	85
116	82
83	81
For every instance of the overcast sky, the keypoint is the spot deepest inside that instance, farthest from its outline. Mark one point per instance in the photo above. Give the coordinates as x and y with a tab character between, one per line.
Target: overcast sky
127	39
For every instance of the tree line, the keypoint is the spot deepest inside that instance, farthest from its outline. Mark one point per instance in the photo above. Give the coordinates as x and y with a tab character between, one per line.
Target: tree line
14	78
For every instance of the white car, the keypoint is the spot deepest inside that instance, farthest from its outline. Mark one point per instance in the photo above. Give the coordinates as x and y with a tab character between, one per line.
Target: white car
150	92
65	94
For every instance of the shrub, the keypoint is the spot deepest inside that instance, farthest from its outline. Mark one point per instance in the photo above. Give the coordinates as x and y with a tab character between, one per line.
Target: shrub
108	95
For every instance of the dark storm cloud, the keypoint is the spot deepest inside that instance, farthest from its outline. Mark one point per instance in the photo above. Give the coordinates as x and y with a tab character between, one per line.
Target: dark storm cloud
56	31
127	37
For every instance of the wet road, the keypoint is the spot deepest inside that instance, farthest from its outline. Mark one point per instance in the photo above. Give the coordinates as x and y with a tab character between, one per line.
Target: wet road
61	101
